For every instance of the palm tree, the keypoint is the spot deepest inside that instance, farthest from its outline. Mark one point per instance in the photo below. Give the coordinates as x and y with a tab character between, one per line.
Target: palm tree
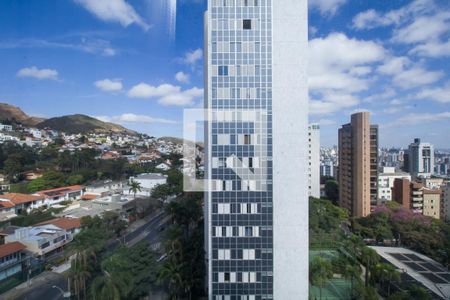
113	286
370	259
352	272
387	273
321	271
172	270
134	187
79	273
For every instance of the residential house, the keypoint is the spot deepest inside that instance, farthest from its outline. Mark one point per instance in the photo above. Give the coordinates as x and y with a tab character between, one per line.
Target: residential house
4	127
4	184
11	259
148	182
104	188
42	240
16	203
71	225
110	155
68	193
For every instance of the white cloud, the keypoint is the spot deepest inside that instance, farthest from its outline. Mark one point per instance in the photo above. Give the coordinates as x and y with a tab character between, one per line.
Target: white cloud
432	49
394	65
40	74
114	11
419	118
423	29
133	118
109	85
326	7
421	23
182	98
407	75
331	103
86	44
182	77
144	90
167	94
335	76
191	58
441	94
370	18
416	77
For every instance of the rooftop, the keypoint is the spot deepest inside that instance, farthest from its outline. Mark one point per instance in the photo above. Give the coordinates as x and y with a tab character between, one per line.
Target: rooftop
421	268
62	190
18	198
11	248
151	176
63	223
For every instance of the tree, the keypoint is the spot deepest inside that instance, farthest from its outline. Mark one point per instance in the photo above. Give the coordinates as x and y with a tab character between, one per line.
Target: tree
370	259
321	271
172	270
79	273
113	286
332	191
417	292
385	274
161	191
134	187
13	165
352	272
366	293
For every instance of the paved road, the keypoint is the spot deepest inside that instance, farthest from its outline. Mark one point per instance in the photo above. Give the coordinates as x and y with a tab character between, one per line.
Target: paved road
149	226
41	288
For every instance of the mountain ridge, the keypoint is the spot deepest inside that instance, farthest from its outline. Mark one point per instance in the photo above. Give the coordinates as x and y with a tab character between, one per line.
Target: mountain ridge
72	124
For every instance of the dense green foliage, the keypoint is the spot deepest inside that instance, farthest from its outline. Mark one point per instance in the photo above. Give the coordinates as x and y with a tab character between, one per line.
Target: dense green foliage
422	234
184	268
325	221
332	191
348	255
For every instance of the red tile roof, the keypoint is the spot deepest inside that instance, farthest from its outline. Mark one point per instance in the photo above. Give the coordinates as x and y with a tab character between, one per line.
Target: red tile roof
60	191
63	223
89	197
6	204
11	248
18	198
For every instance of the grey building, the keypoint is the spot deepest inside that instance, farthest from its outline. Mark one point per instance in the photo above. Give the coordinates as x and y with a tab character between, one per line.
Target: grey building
420	159
257	149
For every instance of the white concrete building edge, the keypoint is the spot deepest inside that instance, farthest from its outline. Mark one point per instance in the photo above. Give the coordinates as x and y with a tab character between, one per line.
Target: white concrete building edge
290	149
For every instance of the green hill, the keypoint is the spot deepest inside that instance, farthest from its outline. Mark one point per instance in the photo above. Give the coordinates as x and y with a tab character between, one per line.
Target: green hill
78	123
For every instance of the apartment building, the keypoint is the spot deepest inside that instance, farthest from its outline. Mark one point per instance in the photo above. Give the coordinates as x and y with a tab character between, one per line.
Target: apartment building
386	180
358	165
256	149
432	203
408	194
420	159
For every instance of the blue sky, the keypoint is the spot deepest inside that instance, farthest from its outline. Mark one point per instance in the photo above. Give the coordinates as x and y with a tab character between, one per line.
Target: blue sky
139	63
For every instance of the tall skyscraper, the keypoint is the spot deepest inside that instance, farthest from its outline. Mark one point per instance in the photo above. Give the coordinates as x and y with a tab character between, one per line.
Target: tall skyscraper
421	159
314	160
358	165
257	149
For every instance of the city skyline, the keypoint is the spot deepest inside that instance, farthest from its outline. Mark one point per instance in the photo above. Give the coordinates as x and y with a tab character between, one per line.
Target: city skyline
385	62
